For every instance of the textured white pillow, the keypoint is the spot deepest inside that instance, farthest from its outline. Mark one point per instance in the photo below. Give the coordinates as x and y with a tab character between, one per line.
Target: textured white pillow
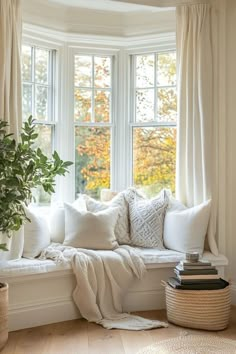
185	228
57	219
122	227
36	233
146	218
90	230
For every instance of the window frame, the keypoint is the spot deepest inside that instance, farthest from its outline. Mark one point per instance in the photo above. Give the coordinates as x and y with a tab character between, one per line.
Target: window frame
66	47
101	51
162	47
50	121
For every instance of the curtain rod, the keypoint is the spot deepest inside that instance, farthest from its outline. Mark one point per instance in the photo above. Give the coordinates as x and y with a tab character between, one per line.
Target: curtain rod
166	3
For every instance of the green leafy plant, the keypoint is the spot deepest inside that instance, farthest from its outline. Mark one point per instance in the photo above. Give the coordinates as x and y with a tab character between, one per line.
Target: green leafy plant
23	168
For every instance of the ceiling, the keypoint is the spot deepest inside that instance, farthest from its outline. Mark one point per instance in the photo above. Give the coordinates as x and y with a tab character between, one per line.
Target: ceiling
108	5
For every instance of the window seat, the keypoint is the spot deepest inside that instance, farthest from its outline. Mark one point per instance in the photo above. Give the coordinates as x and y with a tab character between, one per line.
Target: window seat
40	291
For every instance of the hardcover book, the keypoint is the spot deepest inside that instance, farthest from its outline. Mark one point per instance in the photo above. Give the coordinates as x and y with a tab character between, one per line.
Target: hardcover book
198	277
194	271
188	267
217	284
194	264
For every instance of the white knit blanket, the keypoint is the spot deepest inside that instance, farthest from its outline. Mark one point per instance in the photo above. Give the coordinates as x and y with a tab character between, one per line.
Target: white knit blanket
103	278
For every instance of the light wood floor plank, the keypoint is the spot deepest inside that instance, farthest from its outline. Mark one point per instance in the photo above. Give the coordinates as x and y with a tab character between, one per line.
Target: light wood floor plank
103	341
81	337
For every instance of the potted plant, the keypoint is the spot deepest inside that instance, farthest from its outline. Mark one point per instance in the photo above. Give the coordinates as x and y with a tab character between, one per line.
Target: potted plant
22	168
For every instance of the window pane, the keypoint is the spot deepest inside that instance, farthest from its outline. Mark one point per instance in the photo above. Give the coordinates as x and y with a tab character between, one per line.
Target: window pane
41	66
44	142
92	160
144	105
41	101
82	105
26	101
102	72
166	69
83	71
167	104
102	106
154	153
26	62
145	70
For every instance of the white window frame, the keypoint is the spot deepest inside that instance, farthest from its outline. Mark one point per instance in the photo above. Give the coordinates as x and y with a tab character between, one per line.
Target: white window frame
66	47
113	123
50	121
161	47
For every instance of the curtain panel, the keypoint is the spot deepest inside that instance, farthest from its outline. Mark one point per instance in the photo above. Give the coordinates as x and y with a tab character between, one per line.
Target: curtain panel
10	93
196	176
10	64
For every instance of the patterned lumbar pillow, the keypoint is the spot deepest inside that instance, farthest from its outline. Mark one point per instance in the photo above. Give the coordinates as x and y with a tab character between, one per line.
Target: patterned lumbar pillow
146	218
122	226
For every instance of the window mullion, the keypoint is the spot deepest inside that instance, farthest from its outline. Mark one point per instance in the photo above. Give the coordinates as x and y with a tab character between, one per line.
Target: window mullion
155	89
33	81
93	93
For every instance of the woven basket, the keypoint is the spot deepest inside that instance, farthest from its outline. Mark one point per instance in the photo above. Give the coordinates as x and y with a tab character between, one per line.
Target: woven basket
3	315
202	309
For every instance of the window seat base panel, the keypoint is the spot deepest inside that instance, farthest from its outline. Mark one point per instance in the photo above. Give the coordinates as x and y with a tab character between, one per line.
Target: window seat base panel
41	293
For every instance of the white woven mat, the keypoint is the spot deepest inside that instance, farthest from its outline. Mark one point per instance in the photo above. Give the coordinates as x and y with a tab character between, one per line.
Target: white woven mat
193	344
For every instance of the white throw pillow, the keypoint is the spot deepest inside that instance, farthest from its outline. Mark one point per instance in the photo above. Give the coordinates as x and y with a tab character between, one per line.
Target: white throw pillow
90	230
146	218
122	231
185	228
57	219
36	233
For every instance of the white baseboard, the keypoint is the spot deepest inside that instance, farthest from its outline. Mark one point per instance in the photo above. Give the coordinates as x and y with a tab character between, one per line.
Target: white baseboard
233	293
47	312
41	314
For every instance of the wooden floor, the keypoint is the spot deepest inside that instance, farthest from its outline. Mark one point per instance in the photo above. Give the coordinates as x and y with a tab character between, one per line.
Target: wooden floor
81	337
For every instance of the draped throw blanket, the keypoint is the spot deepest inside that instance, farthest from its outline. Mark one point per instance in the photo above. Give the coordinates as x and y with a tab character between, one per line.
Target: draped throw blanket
10	93
103	278
196	176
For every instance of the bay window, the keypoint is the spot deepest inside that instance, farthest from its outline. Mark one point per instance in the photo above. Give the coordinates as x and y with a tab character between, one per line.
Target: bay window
118	128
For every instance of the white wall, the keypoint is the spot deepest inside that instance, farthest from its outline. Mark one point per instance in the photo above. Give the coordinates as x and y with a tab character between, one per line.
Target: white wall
231	140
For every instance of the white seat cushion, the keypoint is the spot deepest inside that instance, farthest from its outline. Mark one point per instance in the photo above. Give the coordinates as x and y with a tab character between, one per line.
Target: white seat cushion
152	257
155	256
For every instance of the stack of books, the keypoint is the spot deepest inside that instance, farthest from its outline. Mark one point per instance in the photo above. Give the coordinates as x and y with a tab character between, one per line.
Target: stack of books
198	275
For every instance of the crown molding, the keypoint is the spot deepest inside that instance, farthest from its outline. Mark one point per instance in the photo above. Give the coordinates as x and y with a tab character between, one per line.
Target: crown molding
97	22
74	39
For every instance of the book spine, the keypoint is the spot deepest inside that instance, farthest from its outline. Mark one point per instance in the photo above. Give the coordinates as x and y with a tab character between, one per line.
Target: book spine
195	264
199	277
196	272
194	267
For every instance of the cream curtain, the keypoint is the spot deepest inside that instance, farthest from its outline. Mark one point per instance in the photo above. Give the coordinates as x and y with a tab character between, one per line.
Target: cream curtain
10	91
10	71
196	176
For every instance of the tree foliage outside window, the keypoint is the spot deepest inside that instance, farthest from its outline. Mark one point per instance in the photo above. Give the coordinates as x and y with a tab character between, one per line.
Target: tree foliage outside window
92	116
153	126
154	123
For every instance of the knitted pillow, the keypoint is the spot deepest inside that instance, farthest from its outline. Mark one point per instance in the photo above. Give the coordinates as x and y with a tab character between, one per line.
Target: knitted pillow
146	218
